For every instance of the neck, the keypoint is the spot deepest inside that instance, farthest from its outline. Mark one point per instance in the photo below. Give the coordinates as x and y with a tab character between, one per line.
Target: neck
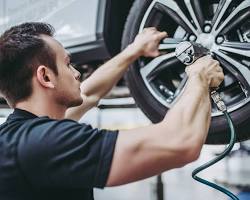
41	107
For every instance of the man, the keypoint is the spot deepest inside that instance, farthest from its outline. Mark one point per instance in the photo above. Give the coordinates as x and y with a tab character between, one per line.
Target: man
44	156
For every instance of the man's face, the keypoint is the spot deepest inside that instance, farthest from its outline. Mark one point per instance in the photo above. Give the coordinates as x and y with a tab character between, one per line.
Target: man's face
67	83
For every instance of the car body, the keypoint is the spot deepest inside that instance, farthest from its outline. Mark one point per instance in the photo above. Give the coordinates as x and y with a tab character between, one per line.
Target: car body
90	30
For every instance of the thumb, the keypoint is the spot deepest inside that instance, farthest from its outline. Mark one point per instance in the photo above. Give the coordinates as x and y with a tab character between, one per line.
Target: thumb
156	53
187	69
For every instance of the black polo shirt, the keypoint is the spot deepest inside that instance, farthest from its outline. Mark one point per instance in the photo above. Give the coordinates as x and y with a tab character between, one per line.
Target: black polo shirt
42	158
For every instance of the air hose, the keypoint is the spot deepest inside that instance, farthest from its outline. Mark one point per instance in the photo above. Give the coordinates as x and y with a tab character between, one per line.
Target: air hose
221	106
188	53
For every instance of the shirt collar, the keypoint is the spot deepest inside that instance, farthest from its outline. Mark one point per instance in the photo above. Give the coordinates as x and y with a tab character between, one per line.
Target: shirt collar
23	114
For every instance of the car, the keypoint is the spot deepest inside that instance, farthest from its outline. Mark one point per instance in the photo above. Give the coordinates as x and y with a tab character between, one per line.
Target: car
93	31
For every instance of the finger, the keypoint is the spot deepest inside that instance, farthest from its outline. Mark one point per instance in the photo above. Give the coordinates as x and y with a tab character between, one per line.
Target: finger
221	76
187	69
217	62
162	35
154	54
204	59
214	65
219	69
151	28
218	79
208	57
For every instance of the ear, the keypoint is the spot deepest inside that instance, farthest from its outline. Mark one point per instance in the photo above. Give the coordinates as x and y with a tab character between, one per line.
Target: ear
45	76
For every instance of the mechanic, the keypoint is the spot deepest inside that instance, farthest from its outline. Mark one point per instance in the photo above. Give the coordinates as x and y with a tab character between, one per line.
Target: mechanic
46	154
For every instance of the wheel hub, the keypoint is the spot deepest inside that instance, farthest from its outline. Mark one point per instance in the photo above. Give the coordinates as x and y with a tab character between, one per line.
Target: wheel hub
205	39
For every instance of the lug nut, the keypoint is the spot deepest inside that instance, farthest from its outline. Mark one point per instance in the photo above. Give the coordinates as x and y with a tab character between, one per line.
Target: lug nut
219	39
207	28
166	90
192	38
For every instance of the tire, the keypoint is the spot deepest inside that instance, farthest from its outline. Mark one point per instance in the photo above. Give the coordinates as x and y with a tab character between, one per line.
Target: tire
150	102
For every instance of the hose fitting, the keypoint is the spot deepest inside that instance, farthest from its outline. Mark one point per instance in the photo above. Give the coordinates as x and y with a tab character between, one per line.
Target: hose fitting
218	101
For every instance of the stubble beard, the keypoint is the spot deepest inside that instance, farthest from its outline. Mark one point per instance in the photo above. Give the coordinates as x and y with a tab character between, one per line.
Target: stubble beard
69	101
75	103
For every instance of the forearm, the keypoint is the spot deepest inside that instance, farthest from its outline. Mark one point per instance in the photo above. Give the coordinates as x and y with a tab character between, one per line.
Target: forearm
174	142
106	76
192	112
102	80
181	134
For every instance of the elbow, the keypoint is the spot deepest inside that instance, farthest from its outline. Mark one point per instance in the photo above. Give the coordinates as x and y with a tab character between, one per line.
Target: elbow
92	100
189	155
193	153
190	150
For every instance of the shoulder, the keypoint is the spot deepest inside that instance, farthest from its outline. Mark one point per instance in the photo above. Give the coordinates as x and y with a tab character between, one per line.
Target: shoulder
42	131
44	137
56	148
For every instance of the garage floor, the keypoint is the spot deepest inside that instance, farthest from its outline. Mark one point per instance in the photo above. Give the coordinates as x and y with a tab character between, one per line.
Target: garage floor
178	183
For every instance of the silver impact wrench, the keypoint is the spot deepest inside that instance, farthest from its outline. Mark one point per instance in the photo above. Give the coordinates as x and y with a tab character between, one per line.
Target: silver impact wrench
188	53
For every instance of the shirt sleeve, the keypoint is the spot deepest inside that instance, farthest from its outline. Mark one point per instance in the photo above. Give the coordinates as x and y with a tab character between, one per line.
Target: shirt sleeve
66	154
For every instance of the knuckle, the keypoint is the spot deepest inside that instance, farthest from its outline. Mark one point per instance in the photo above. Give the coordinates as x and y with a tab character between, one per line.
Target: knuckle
187	69
208	57
155	37
165	32
222	76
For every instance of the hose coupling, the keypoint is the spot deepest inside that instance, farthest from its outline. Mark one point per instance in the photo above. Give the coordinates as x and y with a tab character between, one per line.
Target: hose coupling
218	101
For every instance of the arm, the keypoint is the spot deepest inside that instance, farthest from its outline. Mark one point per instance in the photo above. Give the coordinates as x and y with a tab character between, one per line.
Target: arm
105	77
175	141
101	82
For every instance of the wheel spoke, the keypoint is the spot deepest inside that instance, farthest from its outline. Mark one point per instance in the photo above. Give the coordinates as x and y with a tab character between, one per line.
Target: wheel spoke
231	69
222	7
195	11
171	8
234	18
150	70
180	89
239	48
167	46
240	71
169	43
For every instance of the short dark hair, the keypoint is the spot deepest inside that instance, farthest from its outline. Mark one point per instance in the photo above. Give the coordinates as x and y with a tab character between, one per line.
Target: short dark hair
22	50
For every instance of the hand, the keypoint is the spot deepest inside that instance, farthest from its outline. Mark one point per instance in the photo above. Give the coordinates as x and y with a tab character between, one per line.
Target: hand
147	43
209	70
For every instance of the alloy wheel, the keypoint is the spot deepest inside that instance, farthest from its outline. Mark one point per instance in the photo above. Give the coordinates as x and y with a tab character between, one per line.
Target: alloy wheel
221	26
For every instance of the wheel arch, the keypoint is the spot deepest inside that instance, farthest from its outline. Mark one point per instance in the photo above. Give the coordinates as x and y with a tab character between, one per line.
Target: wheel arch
115	19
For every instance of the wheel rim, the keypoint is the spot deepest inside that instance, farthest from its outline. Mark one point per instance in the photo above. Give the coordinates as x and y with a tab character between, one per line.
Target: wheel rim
224	29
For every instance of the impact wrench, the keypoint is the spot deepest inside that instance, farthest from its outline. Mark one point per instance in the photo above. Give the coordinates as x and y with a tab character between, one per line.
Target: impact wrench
188	53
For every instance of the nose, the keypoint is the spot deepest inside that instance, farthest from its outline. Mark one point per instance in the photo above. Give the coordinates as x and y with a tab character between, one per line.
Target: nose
77	74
